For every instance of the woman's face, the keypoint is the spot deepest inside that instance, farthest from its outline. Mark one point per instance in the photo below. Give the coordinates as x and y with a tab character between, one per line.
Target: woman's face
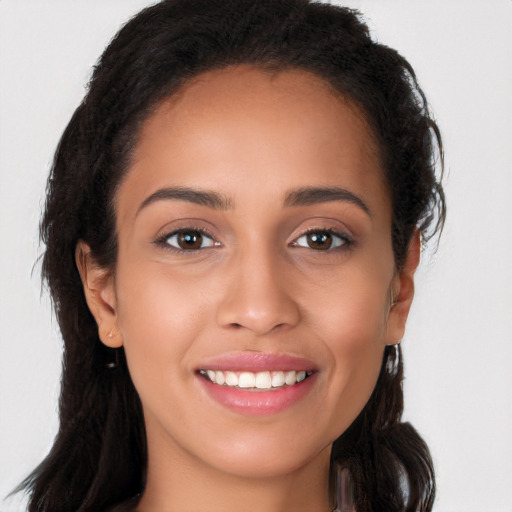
254	230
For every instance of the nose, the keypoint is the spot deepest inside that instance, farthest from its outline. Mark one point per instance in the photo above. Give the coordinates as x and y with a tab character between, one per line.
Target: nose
259	296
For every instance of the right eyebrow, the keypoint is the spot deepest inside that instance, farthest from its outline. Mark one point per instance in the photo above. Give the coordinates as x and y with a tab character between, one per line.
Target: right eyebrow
191	195
315	195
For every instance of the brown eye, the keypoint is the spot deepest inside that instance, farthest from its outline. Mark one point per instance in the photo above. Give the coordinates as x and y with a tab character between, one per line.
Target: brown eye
322	240
189	240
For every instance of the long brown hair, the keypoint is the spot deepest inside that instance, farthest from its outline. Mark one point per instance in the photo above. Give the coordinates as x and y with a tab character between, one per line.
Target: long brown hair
99	455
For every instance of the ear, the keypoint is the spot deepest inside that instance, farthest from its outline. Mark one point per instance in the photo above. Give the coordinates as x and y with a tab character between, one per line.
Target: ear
99	291
402	292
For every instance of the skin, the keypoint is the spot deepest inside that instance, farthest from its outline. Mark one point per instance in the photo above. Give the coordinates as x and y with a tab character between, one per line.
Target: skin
255	285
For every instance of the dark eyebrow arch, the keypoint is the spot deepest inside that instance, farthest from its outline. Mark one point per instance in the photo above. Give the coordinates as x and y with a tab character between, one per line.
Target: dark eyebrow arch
315	195
191	195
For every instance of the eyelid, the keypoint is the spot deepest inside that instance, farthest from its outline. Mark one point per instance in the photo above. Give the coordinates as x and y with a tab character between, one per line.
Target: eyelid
346	239
163	240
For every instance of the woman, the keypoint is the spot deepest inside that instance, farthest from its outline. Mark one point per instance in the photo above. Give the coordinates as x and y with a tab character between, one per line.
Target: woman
232	227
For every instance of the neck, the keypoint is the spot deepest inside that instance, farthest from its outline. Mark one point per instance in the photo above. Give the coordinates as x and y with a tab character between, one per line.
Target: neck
176	481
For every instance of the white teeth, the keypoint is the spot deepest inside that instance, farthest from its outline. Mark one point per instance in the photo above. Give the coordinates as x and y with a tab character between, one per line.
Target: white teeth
231	379
219	378
259	380
290	378
246	380
263	380
277	379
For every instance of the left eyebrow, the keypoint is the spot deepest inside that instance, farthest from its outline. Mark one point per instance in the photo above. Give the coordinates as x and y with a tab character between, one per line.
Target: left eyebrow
201	197
315	195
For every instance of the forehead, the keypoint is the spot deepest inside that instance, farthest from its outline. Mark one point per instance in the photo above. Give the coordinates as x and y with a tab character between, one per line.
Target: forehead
244	127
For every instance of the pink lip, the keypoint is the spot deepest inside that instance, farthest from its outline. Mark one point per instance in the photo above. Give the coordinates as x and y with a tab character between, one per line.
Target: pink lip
257	403
257	362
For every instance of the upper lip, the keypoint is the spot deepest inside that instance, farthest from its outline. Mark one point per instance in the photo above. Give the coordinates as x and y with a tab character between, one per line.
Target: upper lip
257	362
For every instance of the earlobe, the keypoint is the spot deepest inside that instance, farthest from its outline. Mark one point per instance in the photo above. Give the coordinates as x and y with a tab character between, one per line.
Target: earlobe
402	292
98	285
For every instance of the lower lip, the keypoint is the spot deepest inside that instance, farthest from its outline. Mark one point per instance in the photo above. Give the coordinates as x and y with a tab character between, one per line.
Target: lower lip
258	403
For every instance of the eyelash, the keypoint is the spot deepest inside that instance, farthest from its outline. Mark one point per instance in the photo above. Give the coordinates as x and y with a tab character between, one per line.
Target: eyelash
345	241
163	241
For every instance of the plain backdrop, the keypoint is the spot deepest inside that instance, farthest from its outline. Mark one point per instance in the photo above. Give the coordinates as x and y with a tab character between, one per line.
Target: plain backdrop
458	346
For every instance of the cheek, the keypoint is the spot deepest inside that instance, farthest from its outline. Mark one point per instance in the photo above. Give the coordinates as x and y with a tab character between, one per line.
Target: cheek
159	315
357	360
351	311
356	347
353	325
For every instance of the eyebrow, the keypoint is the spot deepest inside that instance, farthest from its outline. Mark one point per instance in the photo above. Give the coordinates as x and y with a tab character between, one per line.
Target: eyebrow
202	197
301	197
316	195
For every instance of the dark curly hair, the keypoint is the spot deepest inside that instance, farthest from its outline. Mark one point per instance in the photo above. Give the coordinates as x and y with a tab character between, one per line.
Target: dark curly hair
98	459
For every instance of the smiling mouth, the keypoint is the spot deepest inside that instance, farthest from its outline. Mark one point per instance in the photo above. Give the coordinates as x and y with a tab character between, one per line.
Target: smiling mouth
256	381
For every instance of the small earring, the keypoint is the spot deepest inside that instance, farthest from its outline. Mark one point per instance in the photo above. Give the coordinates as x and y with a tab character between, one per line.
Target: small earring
344	485
393	360
112	365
